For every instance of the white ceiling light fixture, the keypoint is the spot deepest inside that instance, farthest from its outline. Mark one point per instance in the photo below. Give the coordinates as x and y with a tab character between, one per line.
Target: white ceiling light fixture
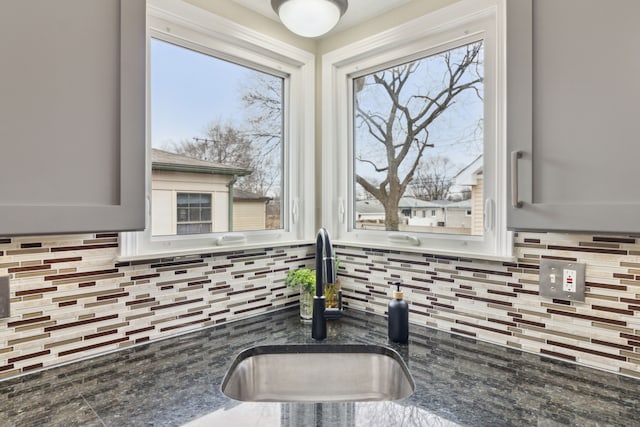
309	18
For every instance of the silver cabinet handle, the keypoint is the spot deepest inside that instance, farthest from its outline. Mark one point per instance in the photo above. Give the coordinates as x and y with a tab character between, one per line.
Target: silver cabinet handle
515	155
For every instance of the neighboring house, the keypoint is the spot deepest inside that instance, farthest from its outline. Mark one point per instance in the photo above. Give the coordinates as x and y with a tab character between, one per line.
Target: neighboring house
191	196
439	216
369	211
436	213
472	176
249	211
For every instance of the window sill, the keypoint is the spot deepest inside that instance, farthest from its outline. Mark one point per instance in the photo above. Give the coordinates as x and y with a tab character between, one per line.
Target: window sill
209	250
426	250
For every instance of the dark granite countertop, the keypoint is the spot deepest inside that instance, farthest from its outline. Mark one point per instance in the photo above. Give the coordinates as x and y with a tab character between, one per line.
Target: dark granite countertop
459	381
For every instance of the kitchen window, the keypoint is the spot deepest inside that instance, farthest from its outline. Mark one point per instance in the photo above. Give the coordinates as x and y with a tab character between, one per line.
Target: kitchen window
193	213
414	118
230	135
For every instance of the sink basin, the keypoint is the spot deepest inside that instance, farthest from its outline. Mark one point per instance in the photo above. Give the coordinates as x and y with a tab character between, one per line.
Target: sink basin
318	373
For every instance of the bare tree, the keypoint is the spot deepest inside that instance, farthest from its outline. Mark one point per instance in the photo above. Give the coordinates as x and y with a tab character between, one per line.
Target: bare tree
432	179
222	143
262	98
399	122
228	145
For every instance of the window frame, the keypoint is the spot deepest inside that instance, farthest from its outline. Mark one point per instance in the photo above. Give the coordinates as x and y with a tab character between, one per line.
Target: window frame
191	27
463	22
189	208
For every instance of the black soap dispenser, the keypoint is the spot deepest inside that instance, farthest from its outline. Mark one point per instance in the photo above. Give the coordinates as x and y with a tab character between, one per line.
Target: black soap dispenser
398	317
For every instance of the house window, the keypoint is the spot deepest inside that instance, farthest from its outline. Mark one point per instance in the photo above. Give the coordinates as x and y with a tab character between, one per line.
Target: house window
193	213
420	114
230	136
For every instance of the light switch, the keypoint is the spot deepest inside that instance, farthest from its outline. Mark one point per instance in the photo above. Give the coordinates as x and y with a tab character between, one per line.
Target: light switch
572	275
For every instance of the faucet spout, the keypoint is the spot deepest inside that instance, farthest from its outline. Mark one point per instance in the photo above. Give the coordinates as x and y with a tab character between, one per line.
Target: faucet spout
325	273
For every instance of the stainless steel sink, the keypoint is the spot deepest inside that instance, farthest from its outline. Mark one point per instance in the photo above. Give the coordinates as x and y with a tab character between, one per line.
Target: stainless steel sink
318	373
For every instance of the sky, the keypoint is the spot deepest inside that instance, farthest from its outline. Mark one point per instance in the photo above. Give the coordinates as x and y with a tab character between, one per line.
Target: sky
189	90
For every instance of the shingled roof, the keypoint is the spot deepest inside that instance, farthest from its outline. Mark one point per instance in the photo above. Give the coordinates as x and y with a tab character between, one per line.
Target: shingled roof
165	161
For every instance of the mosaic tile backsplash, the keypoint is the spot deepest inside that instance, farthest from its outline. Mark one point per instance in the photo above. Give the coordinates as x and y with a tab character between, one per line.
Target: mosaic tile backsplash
71	299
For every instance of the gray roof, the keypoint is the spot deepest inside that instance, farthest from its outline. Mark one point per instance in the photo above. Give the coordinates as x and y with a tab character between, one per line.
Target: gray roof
374	206
166	161
246	195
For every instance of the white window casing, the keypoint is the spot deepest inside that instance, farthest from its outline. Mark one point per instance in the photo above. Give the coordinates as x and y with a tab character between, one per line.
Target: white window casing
463	22
191	27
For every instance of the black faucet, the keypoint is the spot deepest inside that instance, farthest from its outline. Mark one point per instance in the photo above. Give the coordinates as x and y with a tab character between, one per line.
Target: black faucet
325	274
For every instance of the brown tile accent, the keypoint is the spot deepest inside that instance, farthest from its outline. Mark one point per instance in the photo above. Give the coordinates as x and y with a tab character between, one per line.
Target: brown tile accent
60	260
86	295
140	330
36	291
587	317
253	308
140	301
80	322
612	310
614	345
590	250
605	286
28	321
84	247
29	356
112	296
32	268
82	274
30	245
556	354
103	235
34	326
630	337
100	334
32	367
175	304
614	239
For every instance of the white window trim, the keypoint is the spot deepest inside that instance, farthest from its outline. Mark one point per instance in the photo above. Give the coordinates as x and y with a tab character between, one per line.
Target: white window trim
460	21
188	25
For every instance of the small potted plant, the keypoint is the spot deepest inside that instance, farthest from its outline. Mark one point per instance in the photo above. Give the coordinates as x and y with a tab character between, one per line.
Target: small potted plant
305	278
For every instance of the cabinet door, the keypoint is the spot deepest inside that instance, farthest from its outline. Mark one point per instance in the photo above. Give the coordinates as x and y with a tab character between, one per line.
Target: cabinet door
72	116
574	115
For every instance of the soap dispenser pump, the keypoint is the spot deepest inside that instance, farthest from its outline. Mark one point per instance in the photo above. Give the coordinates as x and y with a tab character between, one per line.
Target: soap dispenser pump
398	317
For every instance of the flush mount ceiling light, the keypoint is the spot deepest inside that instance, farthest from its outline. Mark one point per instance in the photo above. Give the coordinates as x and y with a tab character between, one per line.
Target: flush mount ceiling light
309	18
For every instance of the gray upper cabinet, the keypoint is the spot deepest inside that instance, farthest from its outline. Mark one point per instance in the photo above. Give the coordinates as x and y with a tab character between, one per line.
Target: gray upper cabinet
574	115
72	116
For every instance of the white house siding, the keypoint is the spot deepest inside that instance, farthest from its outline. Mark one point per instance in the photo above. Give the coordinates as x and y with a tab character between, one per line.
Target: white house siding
165	185
249	215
